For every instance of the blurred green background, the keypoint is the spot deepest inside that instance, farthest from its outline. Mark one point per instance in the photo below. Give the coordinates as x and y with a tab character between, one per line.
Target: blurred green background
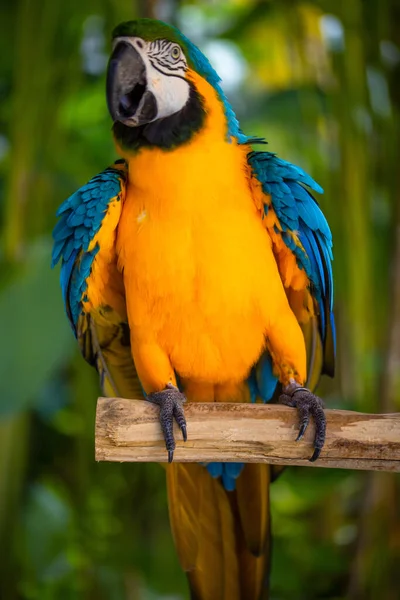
321	80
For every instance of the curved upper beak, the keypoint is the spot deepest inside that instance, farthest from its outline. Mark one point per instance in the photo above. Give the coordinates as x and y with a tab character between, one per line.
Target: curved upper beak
128	98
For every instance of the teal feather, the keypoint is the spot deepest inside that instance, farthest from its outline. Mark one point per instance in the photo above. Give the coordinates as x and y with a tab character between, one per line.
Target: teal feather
298	211
81	217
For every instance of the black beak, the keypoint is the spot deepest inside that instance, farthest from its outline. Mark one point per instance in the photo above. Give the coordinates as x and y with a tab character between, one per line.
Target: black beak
128	99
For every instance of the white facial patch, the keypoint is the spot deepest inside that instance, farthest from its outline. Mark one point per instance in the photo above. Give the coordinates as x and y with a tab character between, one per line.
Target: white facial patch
165	73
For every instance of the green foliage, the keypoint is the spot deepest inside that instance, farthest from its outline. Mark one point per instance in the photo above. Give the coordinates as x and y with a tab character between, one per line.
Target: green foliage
32	311
71	528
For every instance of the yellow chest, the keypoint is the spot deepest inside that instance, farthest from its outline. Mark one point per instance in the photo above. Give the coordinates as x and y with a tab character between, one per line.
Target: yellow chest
197	262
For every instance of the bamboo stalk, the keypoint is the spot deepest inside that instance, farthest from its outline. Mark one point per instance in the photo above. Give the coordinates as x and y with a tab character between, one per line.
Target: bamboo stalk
129	431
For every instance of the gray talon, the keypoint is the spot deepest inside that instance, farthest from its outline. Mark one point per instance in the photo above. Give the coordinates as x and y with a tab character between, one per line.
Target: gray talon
307	404
170	400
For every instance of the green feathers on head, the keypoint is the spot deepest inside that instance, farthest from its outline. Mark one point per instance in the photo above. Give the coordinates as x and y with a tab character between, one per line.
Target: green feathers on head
149	30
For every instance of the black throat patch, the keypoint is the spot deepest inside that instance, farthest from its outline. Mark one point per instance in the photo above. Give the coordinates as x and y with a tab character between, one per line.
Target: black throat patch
166	133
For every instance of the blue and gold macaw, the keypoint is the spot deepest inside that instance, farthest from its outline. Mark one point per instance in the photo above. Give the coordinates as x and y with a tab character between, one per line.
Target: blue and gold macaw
196	268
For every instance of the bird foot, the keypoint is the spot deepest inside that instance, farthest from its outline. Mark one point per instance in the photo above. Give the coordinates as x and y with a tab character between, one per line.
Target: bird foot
170	402
307	404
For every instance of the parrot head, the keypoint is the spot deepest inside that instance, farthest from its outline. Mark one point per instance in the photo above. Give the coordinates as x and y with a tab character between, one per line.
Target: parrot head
160	86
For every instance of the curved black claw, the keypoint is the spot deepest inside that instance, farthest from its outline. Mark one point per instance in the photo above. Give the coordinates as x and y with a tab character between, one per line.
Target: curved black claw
307	405
170	402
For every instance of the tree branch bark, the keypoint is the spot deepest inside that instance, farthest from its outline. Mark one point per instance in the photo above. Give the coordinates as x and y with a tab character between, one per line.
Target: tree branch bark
129	431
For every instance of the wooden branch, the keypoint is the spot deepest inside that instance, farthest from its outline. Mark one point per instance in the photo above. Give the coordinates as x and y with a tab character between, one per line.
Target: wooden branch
129	430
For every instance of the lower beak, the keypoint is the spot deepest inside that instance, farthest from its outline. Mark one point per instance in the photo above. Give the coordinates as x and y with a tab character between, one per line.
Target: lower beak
128	99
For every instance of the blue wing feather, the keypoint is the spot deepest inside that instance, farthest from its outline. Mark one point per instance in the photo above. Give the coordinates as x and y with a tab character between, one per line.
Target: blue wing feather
297	211
80	218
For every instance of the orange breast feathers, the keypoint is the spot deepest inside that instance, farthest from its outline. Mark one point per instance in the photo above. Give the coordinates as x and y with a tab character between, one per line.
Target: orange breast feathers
204	294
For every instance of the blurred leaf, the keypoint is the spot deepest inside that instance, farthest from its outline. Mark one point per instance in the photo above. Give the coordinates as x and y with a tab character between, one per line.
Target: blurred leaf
48	545
49	523
36	335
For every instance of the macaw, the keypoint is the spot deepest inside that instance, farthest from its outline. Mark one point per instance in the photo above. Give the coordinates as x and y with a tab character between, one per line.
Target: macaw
195	268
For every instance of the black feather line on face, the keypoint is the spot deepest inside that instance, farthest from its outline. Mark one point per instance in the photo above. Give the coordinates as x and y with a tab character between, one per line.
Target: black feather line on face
166	133
169	72
159	65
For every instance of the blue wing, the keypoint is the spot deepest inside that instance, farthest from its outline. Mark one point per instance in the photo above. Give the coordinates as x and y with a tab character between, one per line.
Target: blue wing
81	217
305	232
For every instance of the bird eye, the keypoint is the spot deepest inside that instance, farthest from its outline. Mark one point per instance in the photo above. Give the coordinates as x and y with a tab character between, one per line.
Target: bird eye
175	52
